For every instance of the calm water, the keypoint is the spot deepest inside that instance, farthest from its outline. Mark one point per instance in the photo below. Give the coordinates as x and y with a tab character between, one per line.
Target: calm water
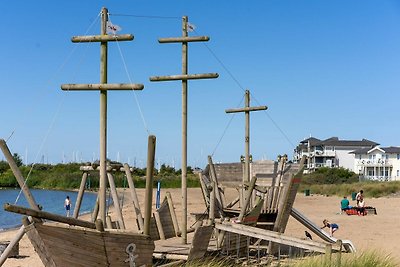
51	200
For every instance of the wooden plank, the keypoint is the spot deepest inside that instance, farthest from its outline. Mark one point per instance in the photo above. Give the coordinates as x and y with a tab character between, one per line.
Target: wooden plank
101	86
184	39
200	242
39	246
102	38
48	216
271	236
184	77
159	225
173	214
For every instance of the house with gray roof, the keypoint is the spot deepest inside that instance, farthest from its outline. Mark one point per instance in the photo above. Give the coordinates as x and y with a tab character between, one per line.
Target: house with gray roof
331	152
378	163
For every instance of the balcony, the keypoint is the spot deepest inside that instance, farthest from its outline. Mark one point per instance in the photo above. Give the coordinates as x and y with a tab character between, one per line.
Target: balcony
320	153
374	163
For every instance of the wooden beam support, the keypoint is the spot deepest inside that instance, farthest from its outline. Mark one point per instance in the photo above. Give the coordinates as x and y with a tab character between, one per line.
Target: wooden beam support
80	195
184	39
102	38
184	77
48	216
102	86
18	175
151	151
247	109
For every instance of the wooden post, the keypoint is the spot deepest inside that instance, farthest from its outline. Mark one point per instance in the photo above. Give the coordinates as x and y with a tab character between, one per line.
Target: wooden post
247	109
109	222
184	77
328	254
99	225
211	214
18	175
10	246
184	130
247	198
116	201
95	210
134	196
80	195
103	119
339	254
217	193
149	183
103	38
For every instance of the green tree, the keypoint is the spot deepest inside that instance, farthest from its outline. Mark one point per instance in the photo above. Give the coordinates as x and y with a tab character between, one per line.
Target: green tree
17	159
3	166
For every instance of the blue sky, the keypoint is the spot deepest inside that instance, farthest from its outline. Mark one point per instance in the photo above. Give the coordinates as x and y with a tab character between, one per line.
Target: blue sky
325	68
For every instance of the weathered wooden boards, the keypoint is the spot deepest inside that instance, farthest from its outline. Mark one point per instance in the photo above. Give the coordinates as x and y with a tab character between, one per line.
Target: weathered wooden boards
195	249
86	247
248	231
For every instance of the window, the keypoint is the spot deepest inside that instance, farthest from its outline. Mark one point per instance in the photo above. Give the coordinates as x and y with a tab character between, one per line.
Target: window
398	156
398	172
359	157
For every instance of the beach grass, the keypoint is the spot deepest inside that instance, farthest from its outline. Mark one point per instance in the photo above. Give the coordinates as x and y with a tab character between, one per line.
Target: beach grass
360	259
371	189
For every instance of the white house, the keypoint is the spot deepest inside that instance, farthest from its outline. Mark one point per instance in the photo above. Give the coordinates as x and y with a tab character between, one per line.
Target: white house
330	153
378	163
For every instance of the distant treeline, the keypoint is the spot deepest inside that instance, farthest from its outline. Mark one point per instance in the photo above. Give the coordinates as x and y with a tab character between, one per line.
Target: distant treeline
68	176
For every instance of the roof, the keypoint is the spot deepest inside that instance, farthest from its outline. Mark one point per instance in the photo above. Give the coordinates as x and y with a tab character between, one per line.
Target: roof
387	150
334	141
312	141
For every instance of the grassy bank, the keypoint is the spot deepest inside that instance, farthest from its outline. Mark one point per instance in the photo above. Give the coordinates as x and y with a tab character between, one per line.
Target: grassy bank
341	182
371	189
68	176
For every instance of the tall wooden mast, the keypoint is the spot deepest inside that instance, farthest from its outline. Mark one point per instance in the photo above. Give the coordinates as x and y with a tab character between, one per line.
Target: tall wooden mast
103	87
184	78
247	109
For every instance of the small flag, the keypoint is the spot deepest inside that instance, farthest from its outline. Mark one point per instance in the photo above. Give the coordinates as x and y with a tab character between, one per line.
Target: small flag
112	28
190	27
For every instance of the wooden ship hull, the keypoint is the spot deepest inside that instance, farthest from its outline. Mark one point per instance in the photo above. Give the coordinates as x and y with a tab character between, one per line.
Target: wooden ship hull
59	245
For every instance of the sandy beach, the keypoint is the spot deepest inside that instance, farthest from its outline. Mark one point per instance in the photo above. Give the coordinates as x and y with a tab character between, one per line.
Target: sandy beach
371	232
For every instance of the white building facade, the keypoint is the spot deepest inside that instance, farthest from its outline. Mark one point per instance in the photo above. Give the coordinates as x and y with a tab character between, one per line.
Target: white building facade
330	153
378	163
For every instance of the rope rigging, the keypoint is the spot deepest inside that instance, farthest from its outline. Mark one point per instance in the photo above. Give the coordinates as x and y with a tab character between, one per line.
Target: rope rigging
55	117
134	93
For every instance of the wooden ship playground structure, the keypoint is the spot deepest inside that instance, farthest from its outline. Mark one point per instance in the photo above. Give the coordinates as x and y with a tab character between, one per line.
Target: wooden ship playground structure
248	227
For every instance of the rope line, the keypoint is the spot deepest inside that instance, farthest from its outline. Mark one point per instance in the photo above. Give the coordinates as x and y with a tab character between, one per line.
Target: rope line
226	128
56	113
142	16
41	147
241	87
276	125
222	65
134	93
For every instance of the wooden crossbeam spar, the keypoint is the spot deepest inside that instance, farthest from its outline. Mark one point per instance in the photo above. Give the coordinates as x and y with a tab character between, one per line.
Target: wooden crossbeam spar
184	77
101	38
234	110
102	86
184	39
48	216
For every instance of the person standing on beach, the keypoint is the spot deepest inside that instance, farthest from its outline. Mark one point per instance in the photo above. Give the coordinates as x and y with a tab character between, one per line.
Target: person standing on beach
67	205
360	196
